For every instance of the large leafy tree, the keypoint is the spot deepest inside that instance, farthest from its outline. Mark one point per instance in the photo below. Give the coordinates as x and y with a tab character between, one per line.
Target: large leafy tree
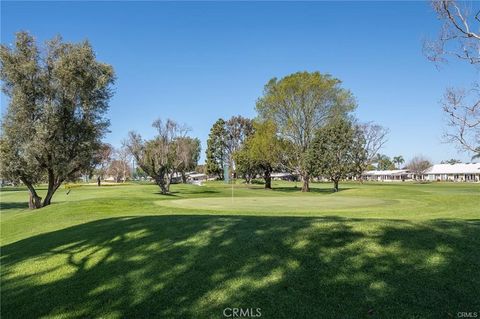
52	128
337	151
237	129
158	157
263	151
300	104
245	166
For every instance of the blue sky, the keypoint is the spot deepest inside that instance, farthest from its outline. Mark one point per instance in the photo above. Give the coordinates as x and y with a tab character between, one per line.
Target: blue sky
195	62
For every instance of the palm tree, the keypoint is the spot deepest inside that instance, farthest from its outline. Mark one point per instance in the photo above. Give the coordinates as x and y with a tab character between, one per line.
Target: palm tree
398	160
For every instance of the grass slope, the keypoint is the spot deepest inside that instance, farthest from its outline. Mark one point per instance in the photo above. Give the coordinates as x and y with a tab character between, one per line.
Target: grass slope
376	251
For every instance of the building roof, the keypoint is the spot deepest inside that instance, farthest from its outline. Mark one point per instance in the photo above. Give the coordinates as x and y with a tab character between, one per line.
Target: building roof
280	174
460	168
197	175
386	172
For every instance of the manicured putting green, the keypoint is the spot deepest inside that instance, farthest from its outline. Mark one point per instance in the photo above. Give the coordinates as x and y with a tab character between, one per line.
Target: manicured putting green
291	203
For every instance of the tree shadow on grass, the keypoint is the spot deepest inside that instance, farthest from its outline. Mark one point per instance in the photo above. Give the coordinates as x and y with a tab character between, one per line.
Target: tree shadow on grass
171	194
12	205
12	189
189	191
199	191
195	266
329	190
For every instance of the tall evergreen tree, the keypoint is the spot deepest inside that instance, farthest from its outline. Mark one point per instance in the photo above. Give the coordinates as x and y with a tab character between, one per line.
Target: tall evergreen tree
58	97
216	149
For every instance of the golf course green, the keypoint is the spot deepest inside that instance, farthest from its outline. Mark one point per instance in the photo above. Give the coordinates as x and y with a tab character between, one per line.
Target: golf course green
276	204
393	250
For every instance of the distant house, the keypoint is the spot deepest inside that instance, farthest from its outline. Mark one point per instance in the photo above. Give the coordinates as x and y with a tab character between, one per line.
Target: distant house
192	177
176	178
388	175
461	172
283	176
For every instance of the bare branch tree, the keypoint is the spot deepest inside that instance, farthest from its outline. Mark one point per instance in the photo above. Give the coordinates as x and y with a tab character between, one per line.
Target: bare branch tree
459	37
124	158
104	158
157	156
375	138
462	109
418	165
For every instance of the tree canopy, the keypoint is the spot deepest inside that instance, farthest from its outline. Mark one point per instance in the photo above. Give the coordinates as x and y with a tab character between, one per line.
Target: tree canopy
58	98
161	156
337	151
216	154
187	155
300	104
226	138
263	152
383	162
398	160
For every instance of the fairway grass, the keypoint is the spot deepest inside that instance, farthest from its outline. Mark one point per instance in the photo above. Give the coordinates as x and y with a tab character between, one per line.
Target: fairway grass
126	251
274	204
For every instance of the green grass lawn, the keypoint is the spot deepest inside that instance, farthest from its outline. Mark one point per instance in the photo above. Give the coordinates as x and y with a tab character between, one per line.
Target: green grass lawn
126	251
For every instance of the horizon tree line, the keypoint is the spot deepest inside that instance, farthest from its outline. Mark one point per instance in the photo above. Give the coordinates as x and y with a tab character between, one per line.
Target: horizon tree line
59	94
291	114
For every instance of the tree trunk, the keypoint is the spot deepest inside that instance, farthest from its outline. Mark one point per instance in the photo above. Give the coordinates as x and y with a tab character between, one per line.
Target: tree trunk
124	176
184	178
34	201
306	181
268	179
220	173
335	185
160	180
169	181
52	188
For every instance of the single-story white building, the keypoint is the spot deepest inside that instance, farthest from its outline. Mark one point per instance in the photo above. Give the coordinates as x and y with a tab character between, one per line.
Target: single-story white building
387	175
461	172
192	177
277	176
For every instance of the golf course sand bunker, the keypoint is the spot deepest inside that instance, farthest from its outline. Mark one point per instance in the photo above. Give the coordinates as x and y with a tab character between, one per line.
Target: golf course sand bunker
274	204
